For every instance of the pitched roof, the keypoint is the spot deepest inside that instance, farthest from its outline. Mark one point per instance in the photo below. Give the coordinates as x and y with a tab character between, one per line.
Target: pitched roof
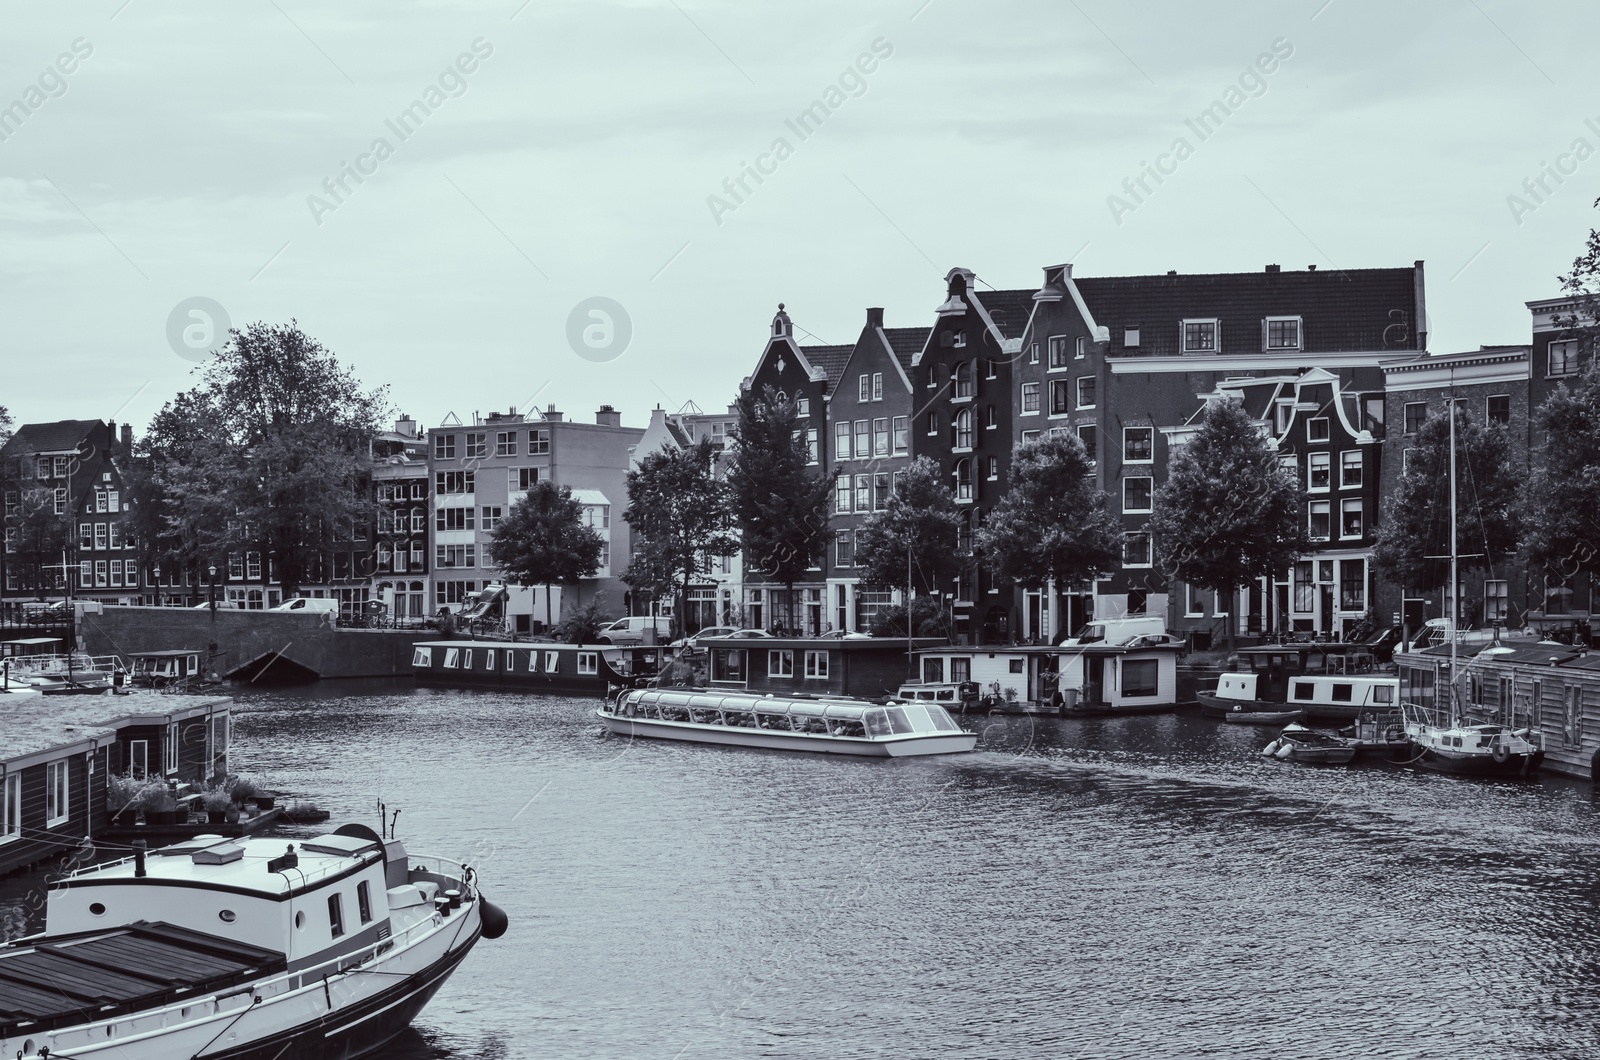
1008	309
831	359
1344	309
58	437
905	342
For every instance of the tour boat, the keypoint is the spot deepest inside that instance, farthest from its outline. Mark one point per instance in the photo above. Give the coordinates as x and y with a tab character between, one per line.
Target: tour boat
787	723
1299	744
244	949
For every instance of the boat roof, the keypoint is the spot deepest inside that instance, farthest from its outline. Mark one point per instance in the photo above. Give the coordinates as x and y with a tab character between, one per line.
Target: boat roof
31	724
321	858
816	707
72	979
32	642
1332	647
1051	650
168	653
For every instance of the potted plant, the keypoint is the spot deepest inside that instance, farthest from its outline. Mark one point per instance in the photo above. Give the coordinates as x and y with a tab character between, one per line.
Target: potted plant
122	799
243	789
159	807
217	802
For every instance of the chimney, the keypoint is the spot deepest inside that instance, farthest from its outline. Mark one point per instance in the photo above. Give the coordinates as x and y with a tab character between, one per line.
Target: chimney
405	425
1274	268
127	439
875	317
1311	268
552	415
608	417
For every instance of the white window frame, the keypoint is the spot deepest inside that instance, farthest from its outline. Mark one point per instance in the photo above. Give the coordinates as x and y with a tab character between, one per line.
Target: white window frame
1131	337
1056	346
1078	391
1311	511
1347	464
588	663
1127	538
10	807
780	663
1151	459
877	386
57	792
1029	389
816	665
169	749
1198	322
1322	460
1138	478
1569	359
1327	430
1299	333
1348	504
863	388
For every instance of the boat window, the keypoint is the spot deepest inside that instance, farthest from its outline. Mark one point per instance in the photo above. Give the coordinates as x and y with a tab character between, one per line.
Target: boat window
1016	666
552	661
488	658
1304	690
945	695
942	721
451	656
742	719
1383	693
1140	677
336	914
779	722
1342	692
466	659
848	727
364	901
674	713
588	662
702	716
650	710
899	721
811	725
422	657
933	671
876	723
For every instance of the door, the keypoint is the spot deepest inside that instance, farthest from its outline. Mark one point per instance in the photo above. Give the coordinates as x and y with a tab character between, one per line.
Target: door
139	759
1094	685
1325	608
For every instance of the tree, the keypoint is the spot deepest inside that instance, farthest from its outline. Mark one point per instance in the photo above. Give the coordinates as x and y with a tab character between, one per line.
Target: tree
921	526
1054	521
40	539
1228	513
1561	497
1413	544
543	541
269	452
681	517
780	499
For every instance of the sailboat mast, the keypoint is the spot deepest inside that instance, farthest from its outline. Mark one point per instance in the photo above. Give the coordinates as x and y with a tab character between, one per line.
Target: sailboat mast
1455	584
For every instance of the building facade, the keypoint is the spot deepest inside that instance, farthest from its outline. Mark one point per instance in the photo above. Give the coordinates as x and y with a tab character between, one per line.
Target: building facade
402	487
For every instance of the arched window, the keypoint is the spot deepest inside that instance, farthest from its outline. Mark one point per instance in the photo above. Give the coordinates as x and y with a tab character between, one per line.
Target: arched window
961	429
963	479
965	385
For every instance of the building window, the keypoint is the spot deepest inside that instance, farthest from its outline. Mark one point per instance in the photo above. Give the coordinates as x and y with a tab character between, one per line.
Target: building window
453	519
811	445
880	437
841	494
863	493
1350	520
1350	468
844	554
1200	336
477	444
492	517
1317	429
455	482
880	491
1494	601
521	479
1138	445
101	578
1080	347
1319	468
539	442
1416	416
1090	440
1136	493
841	440
444	447
802	407
963	479
1058	351
961	429
863	439
1130	337
816	665
1033	353
863	388
933	424
994	469
1353	585
877	386
1283	333
1086	392
1319	520
780	663
902	435
1497	408
1029	436
1562	358
1030	399
966	385
1136	549
1060	397
991	368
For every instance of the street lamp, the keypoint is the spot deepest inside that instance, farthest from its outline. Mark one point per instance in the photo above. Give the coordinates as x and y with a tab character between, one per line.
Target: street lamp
212	572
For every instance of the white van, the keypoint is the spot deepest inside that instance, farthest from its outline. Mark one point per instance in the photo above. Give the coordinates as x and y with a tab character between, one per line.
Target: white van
326	605
1117	631
631	630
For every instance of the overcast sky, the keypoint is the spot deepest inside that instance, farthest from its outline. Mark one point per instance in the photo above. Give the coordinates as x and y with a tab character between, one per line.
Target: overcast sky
576	159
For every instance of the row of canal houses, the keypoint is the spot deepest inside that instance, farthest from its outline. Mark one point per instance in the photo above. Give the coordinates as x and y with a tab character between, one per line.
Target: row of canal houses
1333	365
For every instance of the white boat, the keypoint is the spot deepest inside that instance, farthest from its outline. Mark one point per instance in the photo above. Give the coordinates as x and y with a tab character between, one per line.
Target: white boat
794	723
241	949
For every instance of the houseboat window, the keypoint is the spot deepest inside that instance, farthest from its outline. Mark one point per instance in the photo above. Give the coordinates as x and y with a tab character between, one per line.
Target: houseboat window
780	663
1304	690
1416	686
139	759
588	662
1140	677
945	695
364	901
422	657
960	670
1015	666
466	659
1383	694
169	749
1342	693
488	658
11	806
817	665
56	797
727	664
336	914
552	661
451	657
933	671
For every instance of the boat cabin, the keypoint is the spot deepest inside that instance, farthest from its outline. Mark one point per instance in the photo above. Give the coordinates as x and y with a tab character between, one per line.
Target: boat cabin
865	668
821	716
536	667
1142	673
164	669
1275	665
25	647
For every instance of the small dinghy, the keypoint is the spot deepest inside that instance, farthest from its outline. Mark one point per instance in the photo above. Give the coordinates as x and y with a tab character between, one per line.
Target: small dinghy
1299	744
1263	717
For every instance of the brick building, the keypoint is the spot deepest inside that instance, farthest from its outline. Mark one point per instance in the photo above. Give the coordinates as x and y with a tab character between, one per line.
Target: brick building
401	486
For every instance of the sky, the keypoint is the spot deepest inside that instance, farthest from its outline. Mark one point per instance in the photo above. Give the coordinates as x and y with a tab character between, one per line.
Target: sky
172	158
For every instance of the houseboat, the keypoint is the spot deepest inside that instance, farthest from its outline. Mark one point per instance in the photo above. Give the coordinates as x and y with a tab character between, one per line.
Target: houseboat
1500	711
40	662
560	669
241	948
821	724
1329	699
176	668
1099	677
858	667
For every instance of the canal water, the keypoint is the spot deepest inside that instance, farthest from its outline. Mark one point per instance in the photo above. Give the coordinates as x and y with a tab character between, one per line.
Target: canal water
1133	887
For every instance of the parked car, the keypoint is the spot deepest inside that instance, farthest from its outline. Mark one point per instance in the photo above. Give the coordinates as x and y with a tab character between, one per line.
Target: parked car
746	633
708	633
843	634
322	605
631	630
48	615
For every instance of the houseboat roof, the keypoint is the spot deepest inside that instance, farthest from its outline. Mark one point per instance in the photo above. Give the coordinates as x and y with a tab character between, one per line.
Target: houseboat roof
35	723
1331	647
32	642
1052	650
241	865
169	653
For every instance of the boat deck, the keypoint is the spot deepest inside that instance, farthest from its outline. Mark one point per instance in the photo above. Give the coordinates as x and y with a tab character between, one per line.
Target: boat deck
87	977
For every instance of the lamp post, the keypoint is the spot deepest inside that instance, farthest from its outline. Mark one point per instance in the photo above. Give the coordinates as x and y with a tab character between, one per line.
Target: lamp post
211	572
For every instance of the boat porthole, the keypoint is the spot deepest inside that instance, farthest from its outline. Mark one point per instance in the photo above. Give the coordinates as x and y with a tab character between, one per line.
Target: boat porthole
300	921
228	916
96	909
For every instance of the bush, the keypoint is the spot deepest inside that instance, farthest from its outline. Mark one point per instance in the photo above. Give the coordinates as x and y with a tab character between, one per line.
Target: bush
122	792
929	616
242	788
217	798
156	797
582	625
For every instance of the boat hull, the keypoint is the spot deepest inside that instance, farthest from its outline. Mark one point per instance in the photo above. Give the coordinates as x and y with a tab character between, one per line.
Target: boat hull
1515	766
1257	717
890	747
1214	706
1323	756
